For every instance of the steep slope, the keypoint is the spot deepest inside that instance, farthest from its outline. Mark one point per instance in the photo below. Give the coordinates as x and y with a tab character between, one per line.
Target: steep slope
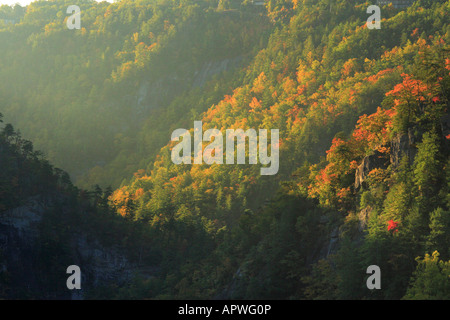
322	72
46	225
97	100
364	156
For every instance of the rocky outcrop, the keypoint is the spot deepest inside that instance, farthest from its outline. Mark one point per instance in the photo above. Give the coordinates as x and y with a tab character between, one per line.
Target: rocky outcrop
22	263
18	234
334	242
363	218
374	161
155	93
403	144
99	265
210	69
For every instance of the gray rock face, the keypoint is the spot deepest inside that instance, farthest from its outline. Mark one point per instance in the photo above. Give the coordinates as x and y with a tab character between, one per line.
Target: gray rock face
403	145
18	235
155	93
21	260
377	160
99	265
210	69
363	218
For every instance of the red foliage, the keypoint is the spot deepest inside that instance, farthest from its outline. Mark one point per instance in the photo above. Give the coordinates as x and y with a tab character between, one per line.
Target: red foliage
392	226
410	89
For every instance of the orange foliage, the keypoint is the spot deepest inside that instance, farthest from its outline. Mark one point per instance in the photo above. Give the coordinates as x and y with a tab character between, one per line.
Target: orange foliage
379	75
348	67
255	104
409	88
374	130
139	193
259	84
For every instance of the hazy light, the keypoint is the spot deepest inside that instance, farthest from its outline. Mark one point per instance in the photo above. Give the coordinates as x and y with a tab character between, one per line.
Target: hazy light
27	2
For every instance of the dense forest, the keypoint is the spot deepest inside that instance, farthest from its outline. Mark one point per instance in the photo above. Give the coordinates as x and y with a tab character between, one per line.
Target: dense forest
364	123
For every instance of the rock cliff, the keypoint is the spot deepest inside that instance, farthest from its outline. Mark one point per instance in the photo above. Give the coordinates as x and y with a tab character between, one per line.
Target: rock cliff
28	271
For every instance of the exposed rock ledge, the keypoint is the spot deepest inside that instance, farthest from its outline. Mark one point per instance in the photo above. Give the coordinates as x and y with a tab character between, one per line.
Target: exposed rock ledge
402	145
21	263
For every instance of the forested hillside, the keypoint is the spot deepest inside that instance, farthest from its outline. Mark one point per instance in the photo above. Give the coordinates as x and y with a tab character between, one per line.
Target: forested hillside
364	123
47	224
110	92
